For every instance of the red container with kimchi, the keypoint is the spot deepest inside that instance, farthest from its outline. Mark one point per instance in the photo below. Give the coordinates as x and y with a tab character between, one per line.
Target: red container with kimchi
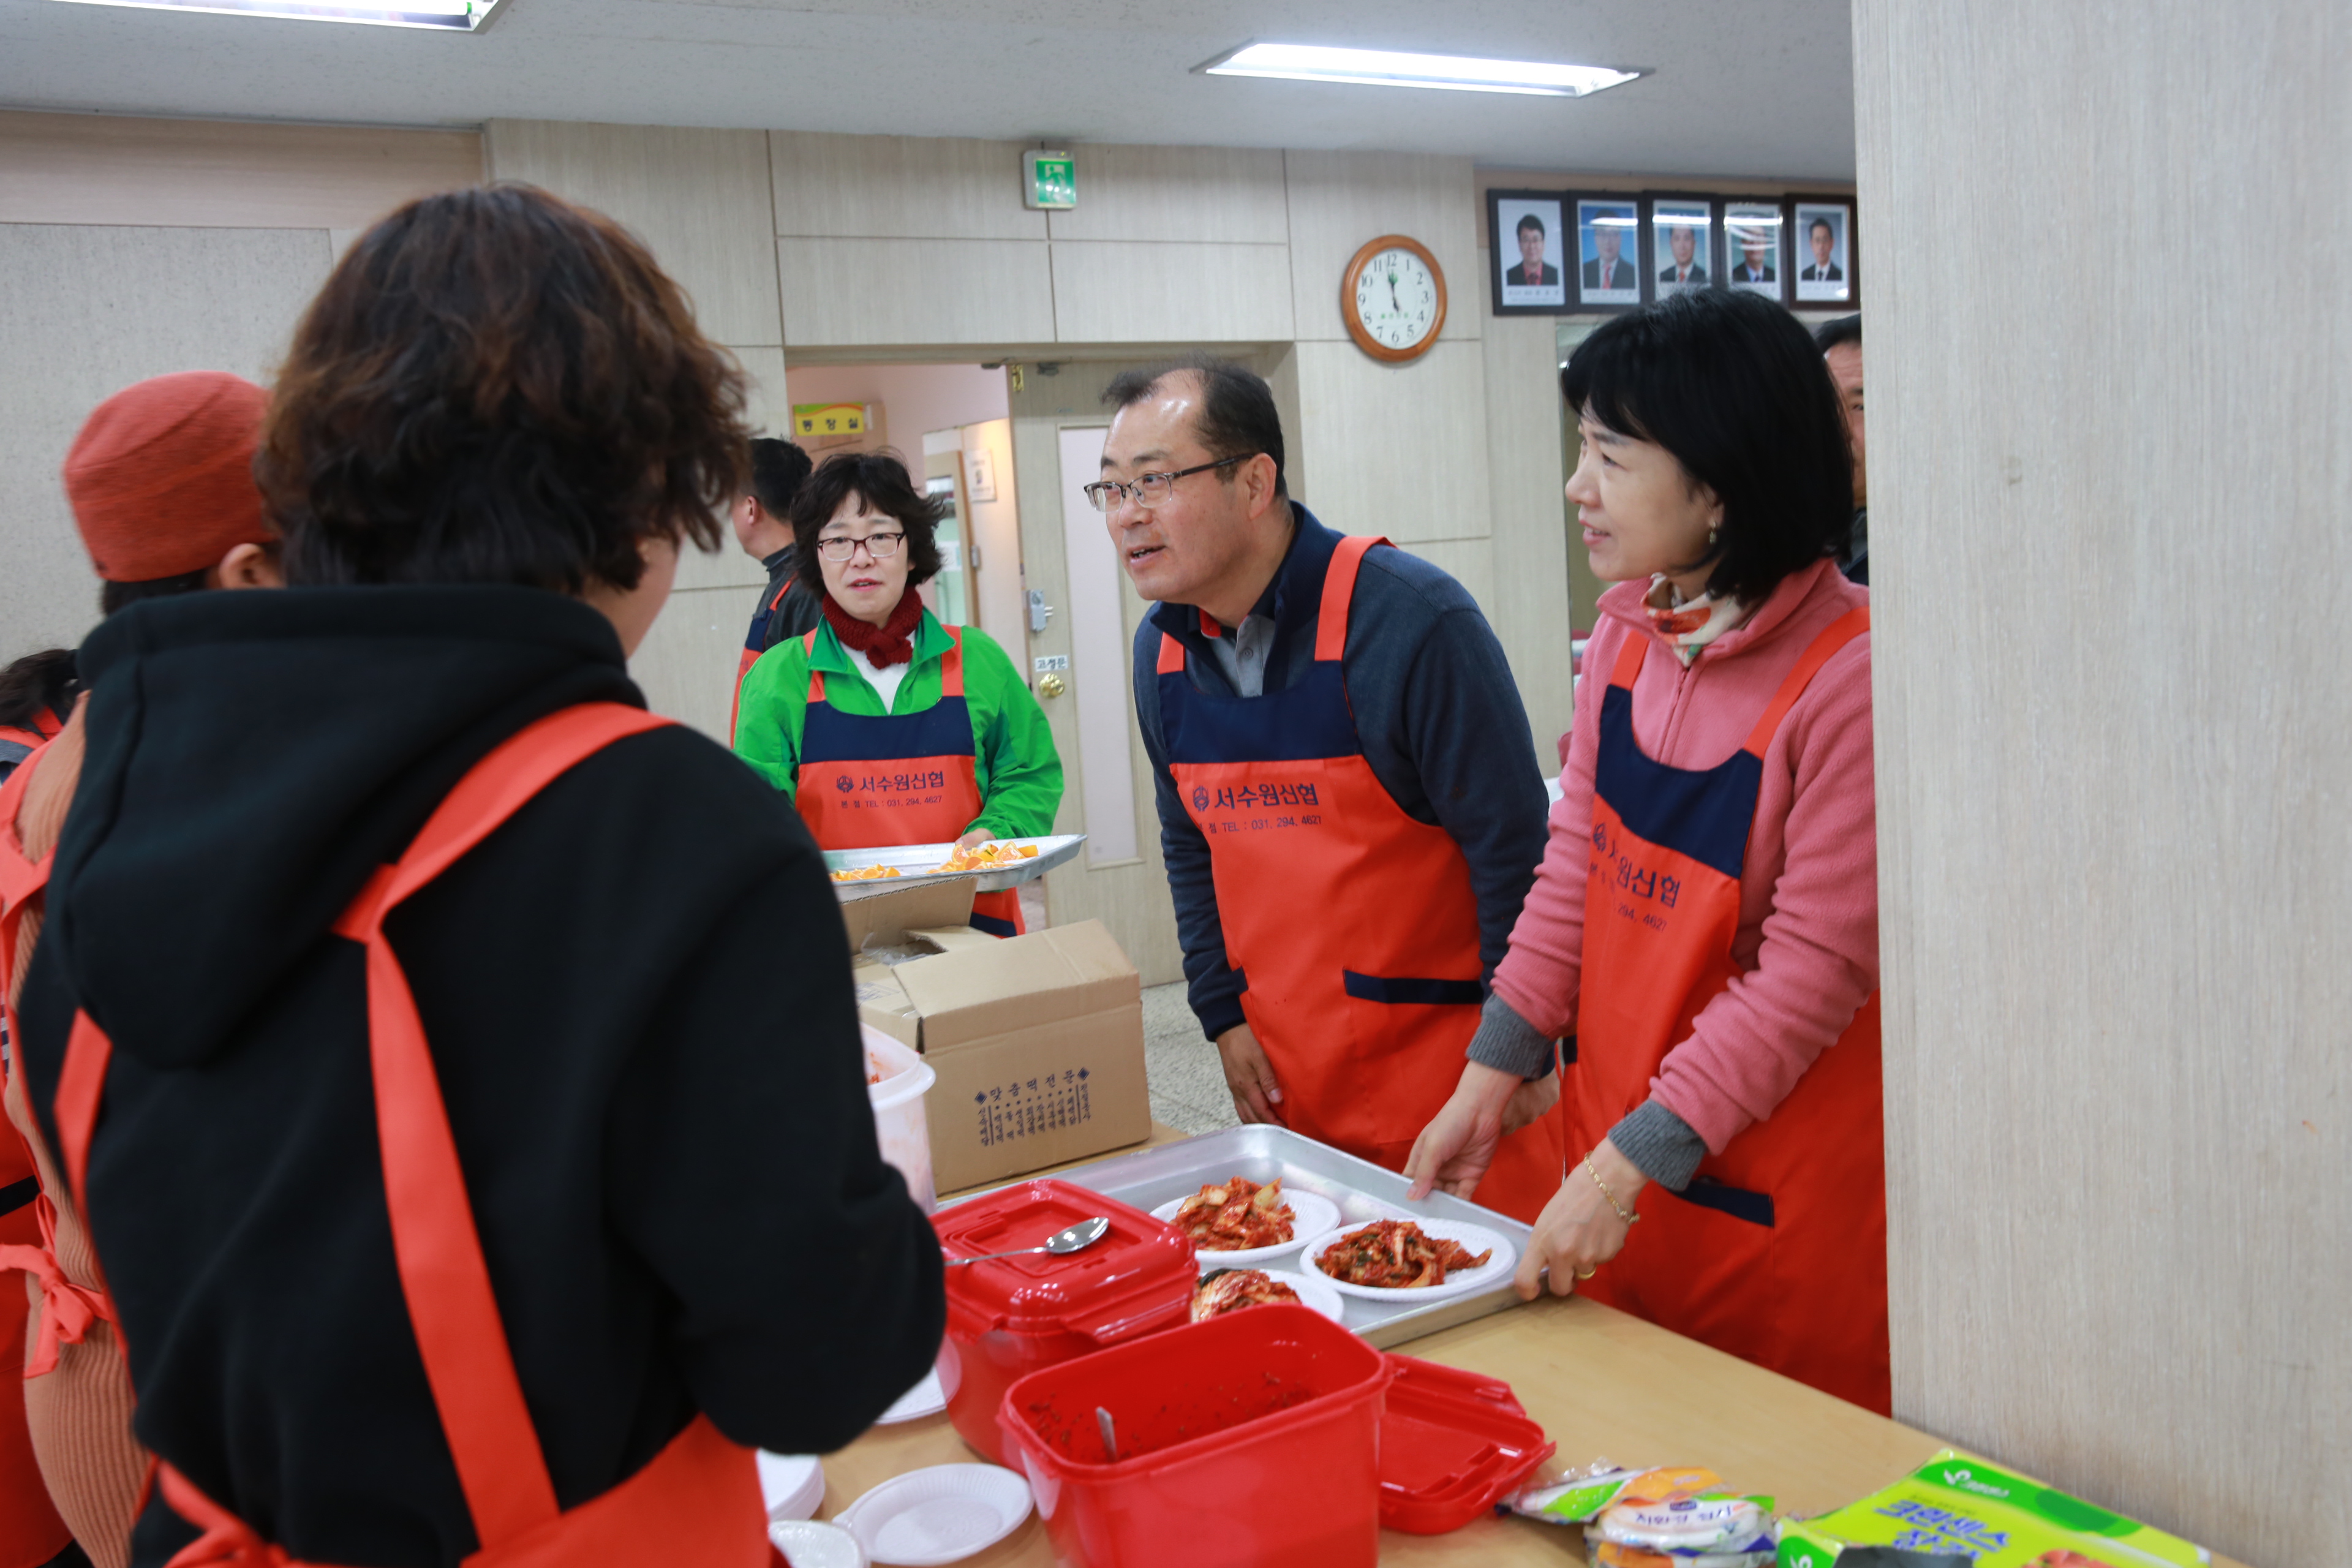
1013	1316
1250	1439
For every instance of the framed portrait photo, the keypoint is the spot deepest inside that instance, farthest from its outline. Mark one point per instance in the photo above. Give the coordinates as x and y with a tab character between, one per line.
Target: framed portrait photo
1608	253
1756	249
1681	252
1828	259
1530	252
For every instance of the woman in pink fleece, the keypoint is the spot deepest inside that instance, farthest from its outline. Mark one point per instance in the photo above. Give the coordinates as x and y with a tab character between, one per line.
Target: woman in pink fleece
1705	924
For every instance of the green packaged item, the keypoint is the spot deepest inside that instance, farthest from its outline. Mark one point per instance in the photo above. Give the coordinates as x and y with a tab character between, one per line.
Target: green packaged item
1956	1505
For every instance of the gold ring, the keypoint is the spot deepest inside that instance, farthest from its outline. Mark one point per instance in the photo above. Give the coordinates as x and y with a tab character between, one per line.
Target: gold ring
1585	1273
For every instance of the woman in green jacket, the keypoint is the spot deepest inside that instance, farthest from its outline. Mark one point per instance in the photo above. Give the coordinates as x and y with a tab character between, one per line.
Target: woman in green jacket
884	726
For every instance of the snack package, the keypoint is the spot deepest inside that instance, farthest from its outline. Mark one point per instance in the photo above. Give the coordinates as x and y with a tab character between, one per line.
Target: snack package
1656	1519
1965	1507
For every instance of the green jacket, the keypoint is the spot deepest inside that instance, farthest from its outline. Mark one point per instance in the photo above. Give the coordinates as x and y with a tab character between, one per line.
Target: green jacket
1020	773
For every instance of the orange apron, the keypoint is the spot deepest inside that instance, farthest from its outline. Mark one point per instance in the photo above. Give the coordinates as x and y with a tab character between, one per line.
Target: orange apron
755	643
1776	1252
1352	926
869	781
30	1531
698	1501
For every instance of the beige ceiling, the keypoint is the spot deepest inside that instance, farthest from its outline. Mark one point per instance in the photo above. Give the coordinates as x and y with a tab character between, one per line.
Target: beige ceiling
1760	88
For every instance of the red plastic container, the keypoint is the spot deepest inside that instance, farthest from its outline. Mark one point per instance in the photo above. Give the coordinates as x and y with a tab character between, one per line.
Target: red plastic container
1010	1318
1453	1444
1251	1439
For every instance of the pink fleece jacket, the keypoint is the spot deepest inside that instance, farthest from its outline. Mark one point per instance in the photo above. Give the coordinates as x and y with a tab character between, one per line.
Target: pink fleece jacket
1808	940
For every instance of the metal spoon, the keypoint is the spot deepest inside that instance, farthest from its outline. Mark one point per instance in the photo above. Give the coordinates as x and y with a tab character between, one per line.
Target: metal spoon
1077	1238
1109	1433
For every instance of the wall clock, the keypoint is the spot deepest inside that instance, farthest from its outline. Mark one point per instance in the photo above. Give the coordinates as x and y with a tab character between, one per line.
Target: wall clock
1392	297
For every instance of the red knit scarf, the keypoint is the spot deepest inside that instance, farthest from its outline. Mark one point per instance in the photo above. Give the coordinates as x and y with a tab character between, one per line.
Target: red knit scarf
883	646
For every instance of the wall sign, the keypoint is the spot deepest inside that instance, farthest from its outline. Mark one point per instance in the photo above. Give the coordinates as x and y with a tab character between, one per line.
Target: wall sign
815	421
1049	182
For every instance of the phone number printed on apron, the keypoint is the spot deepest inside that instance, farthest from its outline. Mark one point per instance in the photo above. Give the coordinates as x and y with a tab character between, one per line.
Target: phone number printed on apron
1026	1107
1256	800
1628	876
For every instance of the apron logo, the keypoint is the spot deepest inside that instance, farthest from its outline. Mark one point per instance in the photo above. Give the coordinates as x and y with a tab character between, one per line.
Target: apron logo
844	784
1199	798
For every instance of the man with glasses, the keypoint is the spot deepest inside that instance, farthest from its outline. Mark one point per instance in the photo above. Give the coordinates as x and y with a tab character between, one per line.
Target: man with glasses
1348	801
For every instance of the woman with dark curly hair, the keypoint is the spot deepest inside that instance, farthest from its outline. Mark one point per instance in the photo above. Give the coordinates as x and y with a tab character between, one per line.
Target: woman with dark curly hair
407	1014
884	726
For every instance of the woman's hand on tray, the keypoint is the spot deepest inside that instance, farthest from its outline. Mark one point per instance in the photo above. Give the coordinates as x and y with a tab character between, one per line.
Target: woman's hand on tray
1454	1150
976	837
1581	1228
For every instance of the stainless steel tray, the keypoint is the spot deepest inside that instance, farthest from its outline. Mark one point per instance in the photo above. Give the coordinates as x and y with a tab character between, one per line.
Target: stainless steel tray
1363	1191
915	863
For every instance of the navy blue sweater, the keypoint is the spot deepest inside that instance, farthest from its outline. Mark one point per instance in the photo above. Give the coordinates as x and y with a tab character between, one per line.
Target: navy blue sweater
1437	711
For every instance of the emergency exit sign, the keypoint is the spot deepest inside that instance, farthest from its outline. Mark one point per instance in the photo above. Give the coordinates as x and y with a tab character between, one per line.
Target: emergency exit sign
1049	182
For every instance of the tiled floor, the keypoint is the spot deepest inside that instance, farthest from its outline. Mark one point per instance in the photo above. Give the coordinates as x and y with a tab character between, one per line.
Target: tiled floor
1188	1085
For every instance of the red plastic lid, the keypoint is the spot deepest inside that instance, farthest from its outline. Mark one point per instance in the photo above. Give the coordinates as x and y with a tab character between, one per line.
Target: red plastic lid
1453	1444
1141	1276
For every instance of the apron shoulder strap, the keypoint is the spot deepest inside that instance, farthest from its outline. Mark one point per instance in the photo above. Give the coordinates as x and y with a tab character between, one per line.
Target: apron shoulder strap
1630	655
816	676
951	664
1833	637
1172	655
1338	594
444	1278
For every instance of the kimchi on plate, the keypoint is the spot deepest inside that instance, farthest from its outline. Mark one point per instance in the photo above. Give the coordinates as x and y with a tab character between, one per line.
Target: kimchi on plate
1236	1216
1231	1290
1396	1255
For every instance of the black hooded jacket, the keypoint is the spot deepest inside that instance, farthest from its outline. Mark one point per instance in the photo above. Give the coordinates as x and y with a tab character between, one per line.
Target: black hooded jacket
638	1001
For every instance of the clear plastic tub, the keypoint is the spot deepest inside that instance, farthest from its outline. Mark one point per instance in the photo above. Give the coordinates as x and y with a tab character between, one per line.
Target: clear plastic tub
1249	1441
899	1121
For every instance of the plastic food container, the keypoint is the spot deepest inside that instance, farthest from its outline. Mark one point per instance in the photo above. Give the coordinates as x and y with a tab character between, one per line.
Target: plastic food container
898	1120
1251	1439
1453	1444
1009	1318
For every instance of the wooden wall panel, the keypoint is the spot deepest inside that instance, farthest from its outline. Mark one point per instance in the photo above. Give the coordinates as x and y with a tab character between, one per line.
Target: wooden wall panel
987	292
2109	557
900	187
1396	450
1340	200
209	173
95	309
1224	195
1530	521
1105	291
686	667
702	199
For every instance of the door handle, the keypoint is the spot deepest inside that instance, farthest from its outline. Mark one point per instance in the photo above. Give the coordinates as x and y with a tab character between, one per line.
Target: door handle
1051	686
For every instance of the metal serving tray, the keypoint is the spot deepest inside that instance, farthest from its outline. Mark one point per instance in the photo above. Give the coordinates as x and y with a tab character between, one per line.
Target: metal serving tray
915	863
1364	1191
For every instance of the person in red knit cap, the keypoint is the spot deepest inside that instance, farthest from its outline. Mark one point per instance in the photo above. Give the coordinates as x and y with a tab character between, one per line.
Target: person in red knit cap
161	482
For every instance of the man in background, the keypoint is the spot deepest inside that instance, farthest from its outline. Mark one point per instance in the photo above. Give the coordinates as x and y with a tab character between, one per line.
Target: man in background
1531	271
763	527
1841	343
1349	803
1823	239
1602	271
1683	240
1756	257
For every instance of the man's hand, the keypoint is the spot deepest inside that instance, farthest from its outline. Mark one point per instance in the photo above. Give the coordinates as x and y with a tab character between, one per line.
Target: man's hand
977	836
1249	1077
1578	1230
1454	1150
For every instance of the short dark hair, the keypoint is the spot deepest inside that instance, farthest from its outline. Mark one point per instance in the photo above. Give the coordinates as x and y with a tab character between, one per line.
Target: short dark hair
881	481
779	468
1822	223
1732	385
1531	222
1844	329
35	684
114	596
497	386
1237	417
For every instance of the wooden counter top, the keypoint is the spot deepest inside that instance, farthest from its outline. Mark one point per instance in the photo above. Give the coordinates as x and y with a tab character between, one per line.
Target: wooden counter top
1602	1386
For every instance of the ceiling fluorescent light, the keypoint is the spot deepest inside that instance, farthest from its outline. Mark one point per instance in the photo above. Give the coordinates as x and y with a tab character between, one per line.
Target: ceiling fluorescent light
441	16
1382	68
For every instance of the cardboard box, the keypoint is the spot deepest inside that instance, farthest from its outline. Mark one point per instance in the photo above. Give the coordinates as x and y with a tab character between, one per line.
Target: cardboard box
1037	1040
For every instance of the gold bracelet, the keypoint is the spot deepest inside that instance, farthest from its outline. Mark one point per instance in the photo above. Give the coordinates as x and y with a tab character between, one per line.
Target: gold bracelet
1607	1196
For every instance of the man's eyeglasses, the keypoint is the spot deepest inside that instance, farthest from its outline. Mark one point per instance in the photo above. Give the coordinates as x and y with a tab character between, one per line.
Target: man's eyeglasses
1151	489
841	547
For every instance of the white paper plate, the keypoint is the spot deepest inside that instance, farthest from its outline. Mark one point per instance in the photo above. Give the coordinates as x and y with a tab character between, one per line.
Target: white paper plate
1314	1291
926	1398
1311	1213
940	1515
806	1543
791	1485
917	864
1476	1237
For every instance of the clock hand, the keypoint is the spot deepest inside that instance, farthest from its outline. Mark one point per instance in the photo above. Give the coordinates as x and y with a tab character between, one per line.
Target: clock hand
1392	295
